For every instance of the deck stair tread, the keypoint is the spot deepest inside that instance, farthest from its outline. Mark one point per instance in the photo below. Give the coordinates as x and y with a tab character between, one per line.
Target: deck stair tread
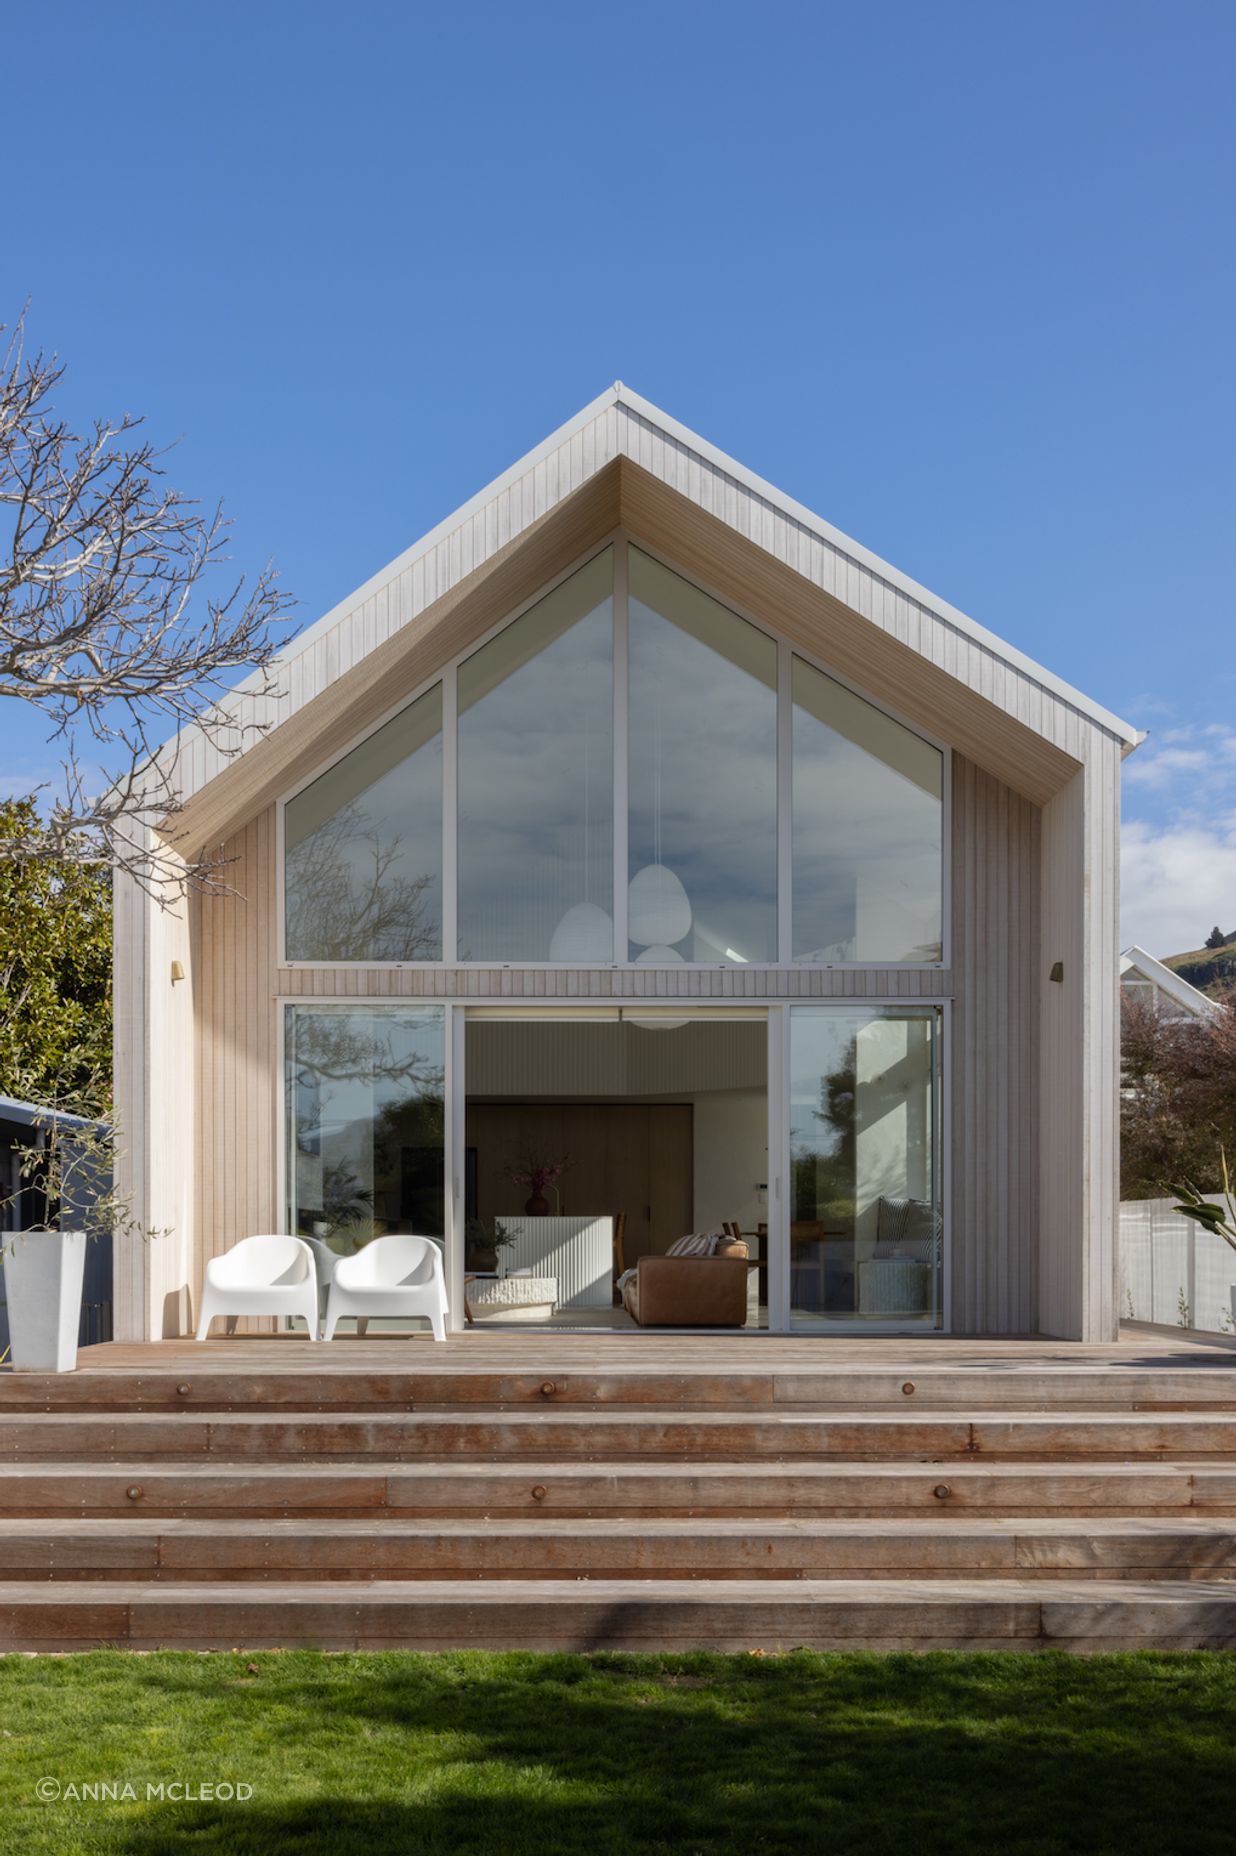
212	1527
629	1613
178	1548
484	1435
731	1468
725	1591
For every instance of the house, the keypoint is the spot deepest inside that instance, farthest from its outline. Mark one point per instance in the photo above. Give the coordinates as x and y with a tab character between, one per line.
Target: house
635	818
1142	977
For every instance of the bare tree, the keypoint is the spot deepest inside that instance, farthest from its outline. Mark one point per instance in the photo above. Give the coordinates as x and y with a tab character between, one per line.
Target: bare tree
1178	1096
115	620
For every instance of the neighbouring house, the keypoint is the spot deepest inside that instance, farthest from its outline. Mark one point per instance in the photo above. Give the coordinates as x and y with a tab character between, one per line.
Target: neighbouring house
638	856
1144	978
24	1206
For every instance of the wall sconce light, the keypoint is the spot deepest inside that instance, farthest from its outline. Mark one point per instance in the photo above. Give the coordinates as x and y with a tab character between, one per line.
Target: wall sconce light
178	971
1057	971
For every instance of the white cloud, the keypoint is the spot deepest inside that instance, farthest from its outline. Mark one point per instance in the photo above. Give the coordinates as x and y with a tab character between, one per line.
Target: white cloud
1178	875
1204	755
1177	882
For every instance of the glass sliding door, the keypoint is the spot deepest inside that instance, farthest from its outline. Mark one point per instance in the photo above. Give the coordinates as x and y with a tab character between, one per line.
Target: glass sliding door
865	1221
364	1102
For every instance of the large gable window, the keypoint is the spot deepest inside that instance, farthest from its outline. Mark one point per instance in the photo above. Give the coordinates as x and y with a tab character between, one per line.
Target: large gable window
627	772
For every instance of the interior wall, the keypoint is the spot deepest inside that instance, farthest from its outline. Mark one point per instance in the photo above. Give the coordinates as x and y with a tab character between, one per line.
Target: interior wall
731	1158
629	1157
681	1143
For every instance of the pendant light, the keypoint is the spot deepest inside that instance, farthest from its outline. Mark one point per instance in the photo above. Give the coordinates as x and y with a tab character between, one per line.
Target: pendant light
659	955
584	935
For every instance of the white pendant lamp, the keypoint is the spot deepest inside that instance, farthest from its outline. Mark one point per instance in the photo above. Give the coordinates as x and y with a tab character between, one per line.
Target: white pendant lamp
658	910
585	934
658	955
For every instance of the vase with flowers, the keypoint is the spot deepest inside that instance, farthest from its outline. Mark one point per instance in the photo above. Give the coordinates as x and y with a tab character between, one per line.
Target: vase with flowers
539	1176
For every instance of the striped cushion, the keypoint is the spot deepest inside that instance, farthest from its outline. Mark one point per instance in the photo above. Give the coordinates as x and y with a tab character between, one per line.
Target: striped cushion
697	1244
907	1228
922	1233
892	1216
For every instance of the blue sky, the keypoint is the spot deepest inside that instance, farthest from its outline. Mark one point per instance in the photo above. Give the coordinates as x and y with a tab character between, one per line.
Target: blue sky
959	277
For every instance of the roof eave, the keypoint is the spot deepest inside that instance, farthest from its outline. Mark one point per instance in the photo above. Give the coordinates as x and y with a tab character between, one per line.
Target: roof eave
620	395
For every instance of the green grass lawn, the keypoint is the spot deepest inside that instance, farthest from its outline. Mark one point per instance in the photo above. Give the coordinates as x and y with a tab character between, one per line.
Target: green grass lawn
522	1755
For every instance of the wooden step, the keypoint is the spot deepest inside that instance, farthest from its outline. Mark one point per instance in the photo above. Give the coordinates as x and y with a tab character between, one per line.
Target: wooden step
618	1488
314	1380
579	1435
705	1547
624	1614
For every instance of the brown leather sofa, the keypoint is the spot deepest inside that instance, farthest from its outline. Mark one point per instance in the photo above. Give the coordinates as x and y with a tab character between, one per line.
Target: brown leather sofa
688	1292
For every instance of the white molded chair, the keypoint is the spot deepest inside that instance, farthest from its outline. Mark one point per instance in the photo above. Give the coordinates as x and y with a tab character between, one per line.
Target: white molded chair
324	1261
261	1276
394	1275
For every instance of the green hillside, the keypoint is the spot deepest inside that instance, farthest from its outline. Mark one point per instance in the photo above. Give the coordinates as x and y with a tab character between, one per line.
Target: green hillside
1211	969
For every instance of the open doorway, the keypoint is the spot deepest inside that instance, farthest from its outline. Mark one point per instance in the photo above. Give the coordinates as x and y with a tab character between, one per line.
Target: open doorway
602	1158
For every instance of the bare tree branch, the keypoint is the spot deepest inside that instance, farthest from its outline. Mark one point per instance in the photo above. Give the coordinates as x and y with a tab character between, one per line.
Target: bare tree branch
115	620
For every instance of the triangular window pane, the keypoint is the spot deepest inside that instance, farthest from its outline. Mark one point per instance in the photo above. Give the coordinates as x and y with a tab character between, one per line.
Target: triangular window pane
363	847
868	830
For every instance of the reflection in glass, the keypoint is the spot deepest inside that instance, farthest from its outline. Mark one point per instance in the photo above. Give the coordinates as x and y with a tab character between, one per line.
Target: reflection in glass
867	831
364	1093
363	847
536	791
865	1227
703	776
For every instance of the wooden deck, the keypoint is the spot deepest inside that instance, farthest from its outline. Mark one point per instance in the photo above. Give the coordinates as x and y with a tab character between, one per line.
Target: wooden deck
569	1491
1140	1346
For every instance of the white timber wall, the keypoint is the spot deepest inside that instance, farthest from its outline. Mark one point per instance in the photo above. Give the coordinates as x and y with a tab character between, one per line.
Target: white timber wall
154	1261
1079	1068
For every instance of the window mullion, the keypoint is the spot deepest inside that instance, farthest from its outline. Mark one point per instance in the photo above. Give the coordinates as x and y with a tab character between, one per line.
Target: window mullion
450	814
621	859
785	820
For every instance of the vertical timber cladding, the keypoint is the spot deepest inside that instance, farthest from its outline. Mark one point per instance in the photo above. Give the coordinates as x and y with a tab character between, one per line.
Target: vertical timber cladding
992	1073
994	1082
235	1157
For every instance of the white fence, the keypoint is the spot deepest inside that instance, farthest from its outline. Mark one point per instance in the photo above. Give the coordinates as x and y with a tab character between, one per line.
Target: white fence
1172	1271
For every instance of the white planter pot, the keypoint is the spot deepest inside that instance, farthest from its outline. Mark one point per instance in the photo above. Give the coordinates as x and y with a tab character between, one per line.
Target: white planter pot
43	1287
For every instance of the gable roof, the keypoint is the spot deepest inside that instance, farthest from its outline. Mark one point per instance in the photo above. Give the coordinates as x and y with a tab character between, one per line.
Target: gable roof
1189	998
577	472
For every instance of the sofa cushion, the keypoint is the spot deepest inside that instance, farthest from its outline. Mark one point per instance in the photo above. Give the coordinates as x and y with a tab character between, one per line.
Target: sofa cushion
695	1244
